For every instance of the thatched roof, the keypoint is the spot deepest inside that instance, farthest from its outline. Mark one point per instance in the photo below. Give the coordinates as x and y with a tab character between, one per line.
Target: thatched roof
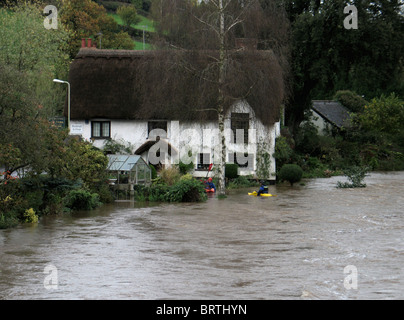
144	85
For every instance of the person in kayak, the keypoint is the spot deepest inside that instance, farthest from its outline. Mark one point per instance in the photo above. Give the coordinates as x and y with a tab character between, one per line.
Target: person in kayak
263	189
210	186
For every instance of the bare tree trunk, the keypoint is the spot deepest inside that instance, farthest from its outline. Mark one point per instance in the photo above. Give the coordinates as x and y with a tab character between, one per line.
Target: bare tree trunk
221	99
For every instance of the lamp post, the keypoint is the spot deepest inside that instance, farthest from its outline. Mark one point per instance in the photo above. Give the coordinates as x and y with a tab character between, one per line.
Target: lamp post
100	35
68	100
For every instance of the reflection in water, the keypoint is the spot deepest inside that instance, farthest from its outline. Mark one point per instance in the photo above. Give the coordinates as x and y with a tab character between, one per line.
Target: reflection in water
293	246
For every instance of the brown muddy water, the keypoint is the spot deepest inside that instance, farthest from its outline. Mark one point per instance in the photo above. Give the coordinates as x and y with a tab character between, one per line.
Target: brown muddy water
293	246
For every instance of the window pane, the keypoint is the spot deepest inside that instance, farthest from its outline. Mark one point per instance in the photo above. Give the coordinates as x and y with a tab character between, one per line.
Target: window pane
96	129
105	129
203	160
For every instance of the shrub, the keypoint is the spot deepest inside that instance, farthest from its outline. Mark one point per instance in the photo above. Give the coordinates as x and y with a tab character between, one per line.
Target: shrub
82	200
156	193
291	172
231	170
350	100
187	176
30	216
283	151
153	172
187	191
355	175
242	182
385	114
185	168
170	175
8	220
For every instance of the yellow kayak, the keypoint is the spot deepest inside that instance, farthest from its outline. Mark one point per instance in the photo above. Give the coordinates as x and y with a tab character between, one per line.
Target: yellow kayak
262	194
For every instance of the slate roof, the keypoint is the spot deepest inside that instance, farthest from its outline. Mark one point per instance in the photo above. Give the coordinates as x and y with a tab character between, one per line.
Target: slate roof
333	112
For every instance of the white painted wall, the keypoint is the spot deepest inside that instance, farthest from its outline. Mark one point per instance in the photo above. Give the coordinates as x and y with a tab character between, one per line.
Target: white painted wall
197	137
318	121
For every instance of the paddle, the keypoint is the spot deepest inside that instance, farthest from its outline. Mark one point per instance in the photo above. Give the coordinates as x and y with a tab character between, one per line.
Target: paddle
210	168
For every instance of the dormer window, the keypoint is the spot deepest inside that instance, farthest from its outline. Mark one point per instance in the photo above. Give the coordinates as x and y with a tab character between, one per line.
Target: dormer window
240	121
157	129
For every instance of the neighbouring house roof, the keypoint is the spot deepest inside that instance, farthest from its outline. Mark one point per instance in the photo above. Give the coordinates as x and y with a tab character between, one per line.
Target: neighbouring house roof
332	112
127	85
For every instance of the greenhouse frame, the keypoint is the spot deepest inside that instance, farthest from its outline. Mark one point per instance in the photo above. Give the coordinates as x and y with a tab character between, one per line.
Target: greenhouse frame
129	169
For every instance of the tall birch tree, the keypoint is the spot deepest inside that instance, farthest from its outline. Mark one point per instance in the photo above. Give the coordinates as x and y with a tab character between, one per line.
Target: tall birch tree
199	38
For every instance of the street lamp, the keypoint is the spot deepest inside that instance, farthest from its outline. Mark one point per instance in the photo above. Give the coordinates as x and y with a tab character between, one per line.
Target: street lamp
68	100
100	35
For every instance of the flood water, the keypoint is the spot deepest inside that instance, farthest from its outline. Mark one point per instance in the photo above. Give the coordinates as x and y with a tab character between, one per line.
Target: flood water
292	246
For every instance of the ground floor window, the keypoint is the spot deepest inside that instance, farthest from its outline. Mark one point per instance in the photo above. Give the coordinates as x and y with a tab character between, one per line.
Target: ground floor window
203	161
243	160
101	129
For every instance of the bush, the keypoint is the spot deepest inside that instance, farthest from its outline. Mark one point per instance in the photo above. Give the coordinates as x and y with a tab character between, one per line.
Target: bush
170	175
187	176
242	182
82	200
153	172
30	216
187	191
350	100
291	172
283	151
185	168
231	170
8	220
385	114
355	175
156	193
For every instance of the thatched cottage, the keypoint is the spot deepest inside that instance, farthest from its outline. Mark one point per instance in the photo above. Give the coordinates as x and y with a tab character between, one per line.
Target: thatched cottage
123	95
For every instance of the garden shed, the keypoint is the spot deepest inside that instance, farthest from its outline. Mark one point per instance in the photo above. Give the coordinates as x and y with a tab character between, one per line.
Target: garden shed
129	169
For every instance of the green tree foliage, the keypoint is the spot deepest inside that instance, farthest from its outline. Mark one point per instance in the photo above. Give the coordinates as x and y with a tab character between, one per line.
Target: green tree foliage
350	100
327	58
33	55
291	173
384	114
283	151
138	4
128	15
85	19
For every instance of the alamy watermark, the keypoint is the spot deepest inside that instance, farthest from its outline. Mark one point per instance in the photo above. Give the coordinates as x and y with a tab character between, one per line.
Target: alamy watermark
51	20
185	145
351	21
51	281
351	280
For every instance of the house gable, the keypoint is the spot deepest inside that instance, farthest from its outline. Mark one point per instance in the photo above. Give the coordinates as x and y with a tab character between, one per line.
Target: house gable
332	112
